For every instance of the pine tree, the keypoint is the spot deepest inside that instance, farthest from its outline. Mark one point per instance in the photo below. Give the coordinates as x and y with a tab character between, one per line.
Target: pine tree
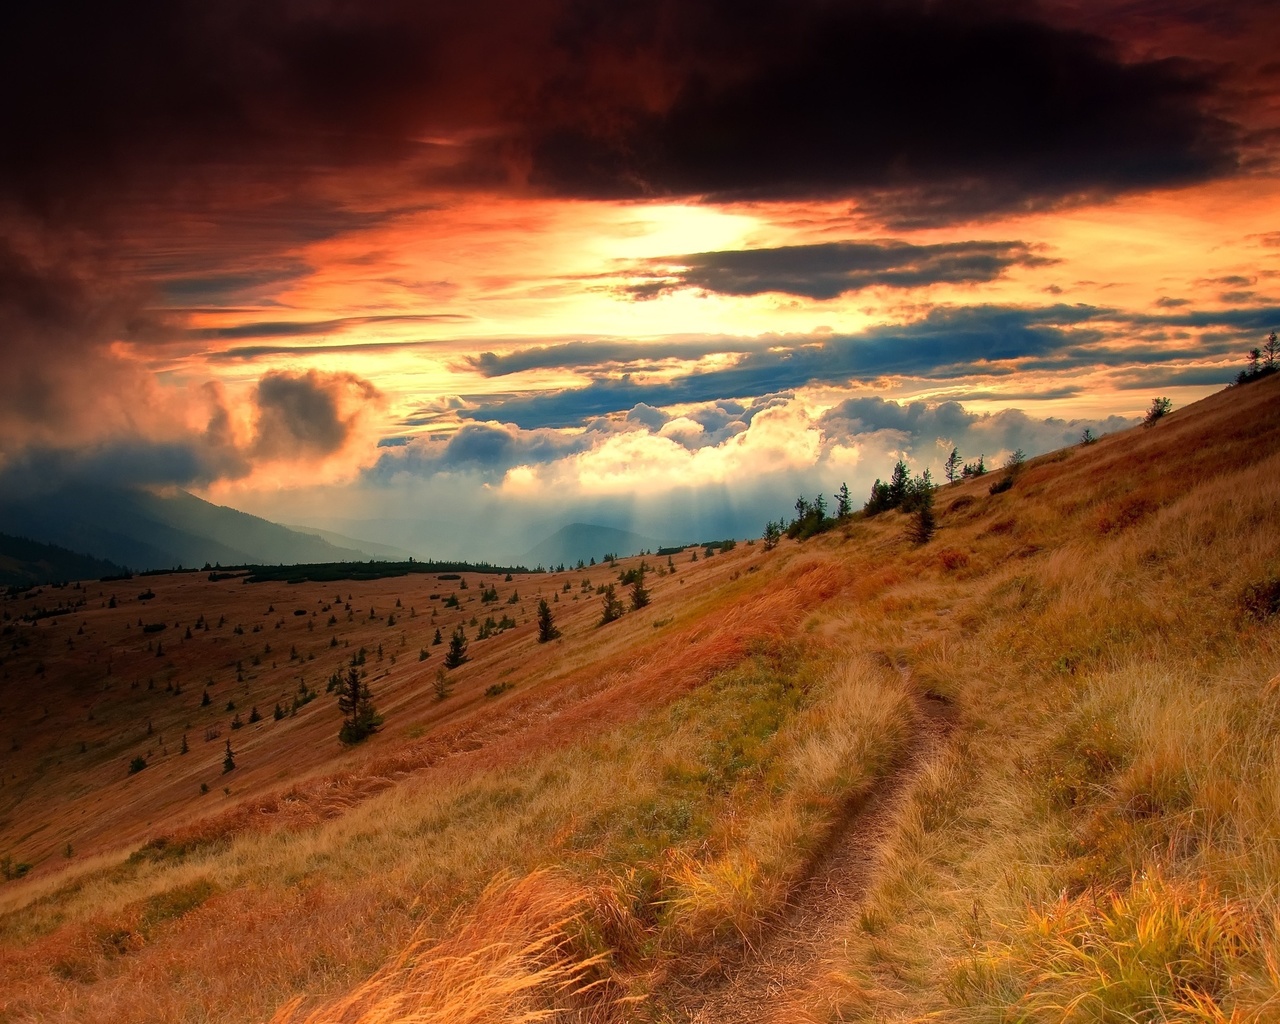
952	466
546	623
442	685
844	504
457	652
184	748
639	594
611	607
772	534
898	484
437	639
922	524
229	760
879	500
355	701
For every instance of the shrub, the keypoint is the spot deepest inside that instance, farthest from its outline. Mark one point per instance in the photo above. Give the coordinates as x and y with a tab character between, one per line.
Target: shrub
1001	485
1160	407
136	765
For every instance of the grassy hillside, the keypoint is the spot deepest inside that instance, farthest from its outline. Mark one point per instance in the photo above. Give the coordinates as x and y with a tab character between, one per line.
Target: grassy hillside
1025	772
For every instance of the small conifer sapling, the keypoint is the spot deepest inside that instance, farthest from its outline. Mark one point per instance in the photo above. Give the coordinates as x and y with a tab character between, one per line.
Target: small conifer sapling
355	701
547	630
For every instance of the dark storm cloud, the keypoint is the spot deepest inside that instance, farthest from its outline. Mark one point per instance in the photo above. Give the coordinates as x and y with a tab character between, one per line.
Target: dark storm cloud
309	328
153	92
869	414
831	269
926	431
947	343
128	462
1047	394
299	417
603	353
58	315
214	285
1252	318
1163	377
927	113
974	332
481	449
307	415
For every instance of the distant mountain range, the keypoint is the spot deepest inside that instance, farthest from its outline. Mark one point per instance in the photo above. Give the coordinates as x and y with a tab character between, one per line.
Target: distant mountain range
585	541
143	530
380	552
25	563
120	528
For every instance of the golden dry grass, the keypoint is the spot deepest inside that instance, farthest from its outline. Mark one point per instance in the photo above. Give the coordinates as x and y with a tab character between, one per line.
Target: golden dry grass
515	957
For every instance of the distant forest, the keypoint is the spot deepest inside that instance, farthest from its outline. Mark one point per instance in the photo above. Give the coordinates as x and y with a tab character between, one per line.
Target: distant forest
325	572
27	563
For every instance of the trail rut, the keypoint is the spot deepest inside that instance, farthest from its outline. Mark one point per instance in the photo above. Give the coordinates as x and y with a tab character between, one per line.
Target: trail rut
794	951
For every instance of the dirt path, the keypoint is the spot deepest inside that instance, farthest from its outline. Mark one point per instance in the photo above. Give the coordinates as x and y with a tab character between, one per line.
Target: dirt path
821	908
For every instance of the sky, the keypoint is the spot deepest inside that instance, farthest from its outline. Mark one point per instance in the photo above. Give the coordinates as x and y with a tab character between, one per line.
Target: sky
450	275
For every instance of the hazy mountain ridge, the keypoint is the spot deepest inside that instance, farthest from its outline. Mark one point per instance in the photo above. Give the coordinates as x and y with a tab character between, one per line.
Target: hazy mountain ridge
142	530
585	541
378	551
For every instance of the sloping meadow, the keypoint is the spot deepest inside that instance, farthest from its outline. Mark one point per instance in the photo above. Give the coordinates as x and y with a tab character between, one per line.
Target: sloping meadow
573	878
